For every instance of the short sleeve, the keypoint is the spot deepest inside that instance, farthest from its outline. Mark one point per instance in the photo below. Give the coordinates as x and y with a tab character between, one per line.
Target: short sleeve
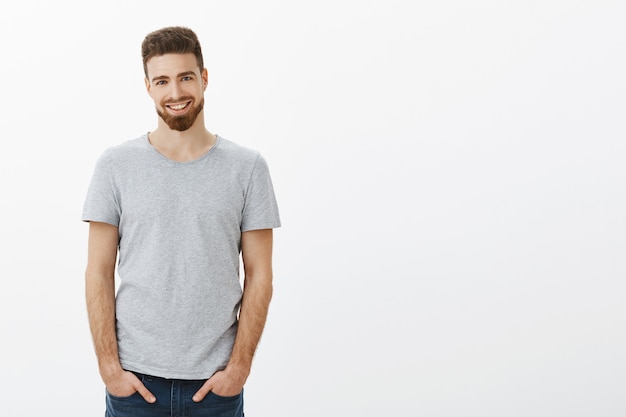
260	208
101	203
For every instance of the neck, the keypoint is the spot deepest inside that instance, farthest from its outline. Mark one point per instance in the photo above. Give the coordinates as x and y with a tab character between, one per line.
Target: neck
182	146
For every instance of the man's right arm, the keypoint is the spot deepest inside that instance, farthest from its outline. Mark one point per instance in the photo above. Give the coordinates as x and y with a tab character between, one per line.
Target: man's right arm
100	295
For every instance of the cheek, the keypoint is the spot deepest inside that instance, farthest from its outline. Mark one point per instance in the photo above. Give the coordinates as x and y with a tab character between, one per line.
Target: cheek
157	98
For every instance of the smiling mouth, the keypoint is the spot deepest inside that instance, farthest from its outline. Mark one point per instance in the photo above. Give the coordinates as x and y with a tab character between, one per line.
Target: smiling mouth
178	107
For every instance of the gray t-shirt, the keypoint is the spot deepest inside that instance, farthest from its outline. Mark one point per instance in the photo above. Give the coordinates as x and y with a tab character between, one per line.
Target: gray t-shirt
180	226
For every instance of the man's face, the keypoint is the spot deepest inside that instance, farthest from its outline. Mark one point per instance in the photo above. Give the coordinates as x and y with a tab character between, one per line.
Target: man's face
176	85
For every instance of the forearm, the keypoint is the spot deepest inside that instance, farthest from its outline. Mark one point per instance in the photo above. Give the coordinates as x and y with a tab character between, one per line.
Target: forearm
252	316
100	295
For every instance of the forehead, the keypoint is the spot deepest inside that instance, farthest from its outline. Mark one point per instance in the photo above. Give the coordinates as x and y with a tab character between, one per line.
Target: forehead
171	64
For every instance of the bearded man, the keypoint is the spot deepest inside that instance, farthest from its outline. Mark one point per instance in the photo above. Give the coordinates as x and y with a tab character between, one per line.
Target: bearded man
170	213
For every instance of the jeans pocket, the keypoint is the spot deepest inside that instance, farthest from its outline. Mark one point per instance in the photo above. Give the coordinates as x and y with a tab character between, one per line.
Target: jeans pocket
220	406
124	398
224	398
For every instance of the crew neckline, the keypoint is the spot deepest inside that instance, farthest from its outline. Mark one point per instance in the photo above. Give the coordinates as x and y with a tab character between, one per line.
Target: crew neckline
218	138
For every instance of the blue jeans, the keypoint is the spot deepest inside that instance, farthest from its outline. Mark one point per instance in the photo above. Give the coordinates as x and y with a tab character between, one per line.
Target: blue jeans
173	400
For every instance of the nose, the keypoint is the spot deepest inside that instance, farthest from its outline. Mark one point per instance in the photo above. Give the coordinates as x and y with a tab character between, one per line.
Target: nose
176	90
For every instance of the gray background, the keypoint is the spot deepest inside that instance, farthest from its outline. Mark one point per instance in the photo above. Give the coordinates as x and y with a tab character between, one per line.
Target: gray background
450	177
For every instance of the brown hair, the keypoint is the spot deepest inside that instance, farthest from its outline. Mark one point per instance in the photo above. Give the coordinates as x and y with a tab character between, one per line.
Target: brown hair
171	40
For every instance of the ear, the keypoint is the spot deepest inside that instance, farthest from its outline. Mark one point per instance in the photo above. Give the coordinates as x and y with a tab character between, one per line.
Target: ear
205	79
148	86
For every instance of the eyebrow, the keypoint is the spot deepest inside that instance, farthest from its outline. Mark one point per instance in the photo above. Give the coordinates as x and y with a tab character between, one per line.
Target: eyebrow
165	77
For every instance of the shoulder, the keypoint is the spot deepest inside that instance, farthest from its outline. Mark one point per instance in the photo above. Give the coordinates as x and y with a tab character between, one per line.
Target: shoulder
236	152
125	151
239	157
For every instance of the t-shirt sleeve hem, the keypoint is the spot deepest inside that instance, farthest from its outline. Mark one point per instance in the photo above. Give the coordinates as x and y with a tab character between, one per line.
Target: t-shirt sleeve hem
260	226
89	219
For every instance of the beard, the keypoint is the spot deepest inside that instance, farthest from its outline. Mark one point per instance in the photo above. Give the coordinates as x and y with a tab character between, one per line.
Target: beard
185	121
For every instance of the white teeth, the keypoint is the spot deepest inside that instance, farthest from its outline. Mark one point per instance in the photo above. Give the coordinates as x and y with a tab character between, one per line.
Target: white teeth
178	106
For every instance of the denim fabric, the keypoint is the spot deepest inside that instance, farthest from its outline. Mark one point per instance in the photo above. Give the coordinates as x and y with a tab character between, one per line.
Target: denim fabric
173	400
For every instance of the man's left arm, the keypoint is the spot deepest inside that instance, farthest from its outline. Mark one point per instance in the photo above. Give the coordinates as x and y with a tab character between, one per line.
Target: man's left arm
256	251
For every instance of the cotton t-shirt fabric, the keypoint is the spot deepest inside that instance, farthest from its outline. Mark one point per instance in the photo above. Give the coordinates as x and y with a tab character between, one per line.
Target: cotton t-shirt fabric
180	226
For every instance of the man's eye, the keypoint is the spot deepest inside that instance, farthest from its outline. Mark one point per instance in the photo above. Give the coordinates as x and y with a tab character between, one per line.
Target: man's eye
186	78
161	82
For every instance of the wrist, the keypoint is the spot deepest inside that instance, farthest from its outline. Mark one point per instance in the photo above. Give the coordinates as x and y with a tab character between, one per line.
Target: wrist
241	369
110	370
